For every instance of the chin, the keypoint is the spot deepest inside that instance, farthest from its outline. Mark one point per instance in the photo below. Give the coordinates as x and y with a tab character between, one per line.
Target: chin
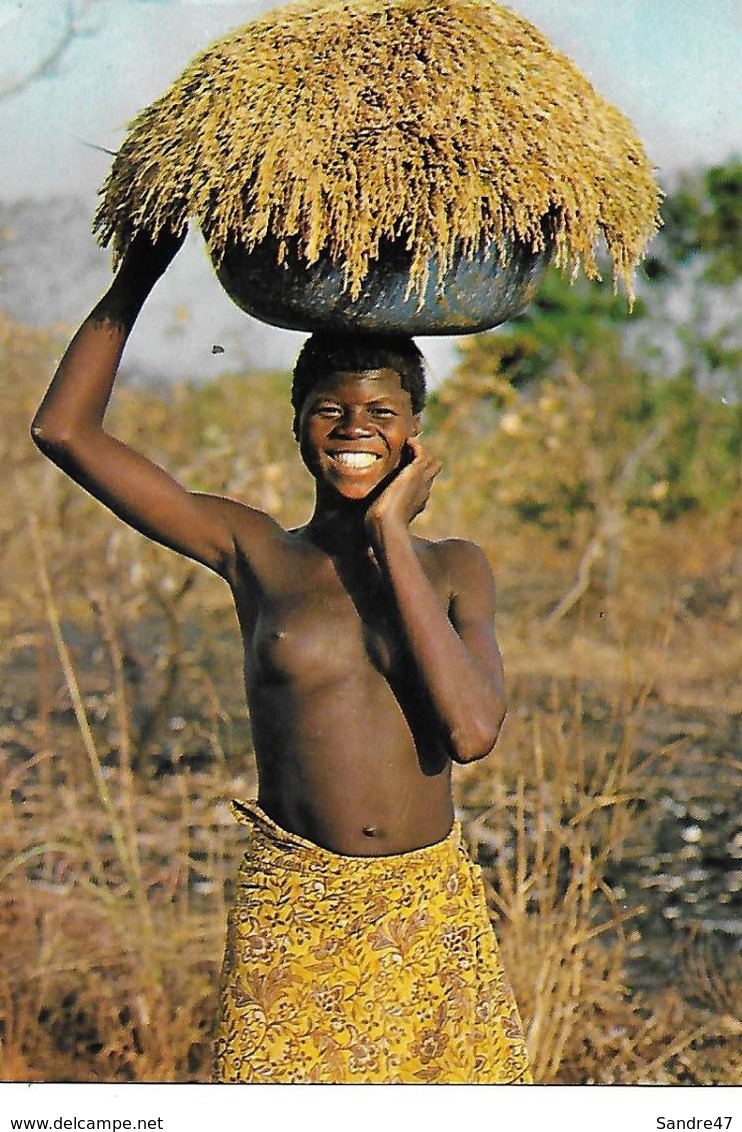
355	490
356	494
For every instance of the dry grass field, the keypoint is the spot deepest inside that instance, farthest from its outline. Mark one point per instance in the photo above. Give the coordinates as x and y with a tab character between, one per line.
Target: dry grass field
606	820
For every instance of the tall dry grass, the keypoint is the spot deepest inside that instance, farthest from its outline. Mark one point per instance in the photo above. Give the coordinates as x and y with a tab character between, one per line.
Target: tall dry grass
123	734
551	830
114	902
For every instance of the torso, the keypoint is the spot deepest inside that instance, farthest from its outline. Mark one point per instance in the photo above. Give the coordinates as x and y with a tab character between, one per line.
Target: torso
345	750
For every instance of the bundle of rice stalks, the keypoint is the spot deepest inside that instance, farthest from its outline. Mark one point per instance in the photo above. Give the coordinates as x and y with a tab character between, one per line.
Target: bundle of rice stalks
333	128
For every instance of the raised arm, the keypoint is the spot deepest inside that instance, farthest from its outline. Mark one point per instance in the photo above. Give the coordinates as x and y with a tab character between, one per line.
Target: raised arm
68	427
455	649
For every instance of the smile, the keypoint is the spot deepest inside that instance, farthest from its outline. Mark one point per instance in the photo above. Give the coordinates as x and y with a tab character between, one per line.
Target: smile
355	460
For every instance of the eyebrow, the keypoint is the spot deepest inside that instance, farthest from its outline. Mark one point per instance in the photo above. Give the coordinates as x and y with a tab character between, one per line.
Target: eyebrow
384	399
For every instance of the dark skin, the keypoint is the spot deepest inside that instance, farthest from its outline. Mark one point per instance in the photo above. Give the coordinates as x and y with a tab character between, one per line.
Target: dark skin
370	656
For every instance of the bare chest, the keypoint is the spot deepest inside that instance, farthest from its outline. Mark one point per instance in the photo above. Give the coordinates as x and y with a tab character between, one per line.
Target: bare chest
323	626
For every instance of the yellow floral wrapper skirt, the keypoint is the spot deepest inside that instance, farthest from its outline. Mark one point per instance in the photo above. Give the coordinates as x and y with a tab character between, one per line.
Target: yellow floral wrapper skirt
362	970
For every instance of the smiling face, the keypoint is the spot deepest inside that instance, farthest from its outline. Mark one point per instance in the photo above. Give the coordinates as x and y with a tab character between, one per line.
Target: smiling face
353	428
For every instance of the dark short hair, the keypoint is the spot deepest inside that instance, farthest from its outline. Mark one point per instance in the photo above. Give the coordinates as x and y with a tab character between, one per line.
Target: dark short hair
325	353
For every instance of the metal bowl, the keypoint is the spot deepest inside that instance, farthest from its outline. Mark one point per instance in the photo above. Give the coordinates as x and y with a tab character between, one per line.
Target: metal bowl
475	293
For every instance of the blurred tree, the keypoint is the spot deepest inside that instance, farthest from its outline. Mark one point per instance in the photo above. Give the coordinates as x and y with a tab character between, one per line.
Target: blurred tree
686	311
702	218
564	325
581	418
694	282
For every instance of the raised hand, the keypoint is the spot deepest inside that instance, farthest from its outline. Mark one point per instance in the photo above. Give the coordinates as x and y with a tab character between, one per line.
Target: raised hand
144	261
148	257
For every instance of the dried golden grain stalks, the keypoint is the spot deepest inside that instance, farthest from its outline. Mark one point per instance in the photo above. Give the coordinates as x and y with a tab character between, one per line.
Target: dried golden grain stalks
332	126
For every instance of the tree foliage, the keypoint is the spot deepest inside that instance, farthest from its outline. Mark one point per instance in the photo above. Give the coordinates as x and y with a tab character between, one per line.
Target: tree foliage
588	424
115	841
571	384
702	218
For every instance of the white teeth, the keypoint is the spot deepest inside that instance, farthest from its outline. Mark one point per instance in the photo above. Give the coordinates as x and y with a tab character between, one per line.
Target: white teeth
355	459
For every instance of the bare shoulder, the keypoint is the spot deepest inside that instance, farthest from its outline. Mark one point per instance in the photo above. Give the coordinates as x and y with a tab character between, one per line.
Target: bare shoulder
251	533
464	565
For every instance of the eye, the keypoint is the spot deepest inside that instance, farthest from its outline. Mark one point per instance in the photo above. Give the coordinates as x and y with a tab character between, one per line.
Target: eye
383	411
326	410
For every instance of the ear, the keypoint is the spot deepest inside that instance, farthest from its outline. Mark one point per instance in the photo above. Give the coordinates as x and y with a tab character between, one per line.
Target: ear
416	425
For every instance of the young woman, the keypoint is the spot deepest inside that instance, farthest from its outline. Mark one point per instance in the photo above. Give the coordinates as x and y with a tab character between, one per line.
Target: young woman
359	947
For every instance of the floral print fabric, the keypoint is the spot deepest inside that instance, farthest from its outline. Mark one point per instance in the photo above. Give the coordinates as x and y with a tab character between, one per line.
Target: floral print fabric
362	969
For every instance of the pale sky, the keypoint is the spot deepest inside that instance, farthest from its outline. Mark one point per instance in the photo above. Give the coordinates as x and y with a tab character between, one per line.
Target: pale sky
671	65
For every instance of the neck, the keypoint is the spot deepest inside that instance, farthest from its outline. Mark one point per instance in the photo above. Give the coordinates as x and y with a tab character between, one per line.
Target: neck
339	526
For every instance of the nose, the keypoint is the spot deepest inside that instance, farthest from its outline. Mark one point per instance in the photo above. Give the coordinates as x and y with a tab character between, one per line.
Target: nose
353	423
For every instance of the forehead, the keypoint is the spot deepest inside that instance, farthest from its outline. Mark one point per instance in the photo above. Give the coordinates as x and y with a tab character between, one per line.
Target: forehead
360	385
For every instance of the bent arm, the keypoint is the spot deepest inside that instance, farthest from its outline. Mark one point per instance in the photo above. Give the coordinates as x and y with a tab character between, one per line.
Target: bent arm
453	645
455	649
68	427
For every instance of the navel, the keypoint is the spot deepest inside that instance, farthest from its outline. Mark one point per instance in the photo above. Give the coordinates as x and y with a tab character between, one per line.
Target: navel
370	831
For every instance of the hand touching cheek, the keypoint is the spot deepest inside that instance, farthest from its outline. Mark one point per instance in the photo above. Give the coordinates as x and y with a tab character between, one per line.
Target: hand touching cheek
407	493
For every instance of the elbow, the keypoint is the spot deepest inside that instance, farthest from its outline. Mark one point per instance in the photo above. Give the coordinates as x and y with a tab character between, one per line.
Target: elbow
478	738
55	443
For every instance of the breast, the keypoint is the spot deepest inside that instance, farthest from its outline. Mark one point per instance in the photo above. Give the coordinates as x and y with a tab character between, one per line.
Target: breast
319	642
301	644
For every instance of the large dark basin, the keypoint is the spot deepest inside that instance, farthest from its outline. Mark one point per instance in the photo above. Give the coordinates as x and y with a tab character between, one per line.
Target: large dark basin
475	293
